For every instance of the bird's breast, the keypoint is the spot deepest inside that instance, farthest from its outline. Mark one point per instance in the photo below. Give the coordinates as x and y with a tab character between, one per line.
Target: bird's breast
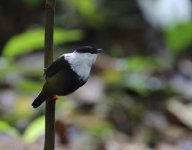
82	71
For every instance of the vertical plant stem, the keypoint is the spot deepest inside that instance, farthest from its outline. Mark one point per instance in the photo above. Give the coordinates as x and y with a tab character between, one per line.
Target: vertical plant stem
48	59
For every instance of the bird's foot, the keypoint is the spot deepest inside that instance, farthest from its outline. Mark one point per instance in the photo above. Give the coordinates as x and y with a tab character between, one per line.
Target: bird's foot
54	97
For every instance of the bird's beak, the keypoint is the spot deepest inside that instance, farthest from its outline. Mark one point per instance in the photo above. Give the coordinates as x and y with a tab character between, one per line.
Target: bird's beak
99	51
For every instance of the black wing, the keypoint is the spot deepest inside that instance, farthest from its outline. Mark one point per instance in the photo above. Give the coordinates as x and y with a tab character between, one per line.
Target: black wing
58	65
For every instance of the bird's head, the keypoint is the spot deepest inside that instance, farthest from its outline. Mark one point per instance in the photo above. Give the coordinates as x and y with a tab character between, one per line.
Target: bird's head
87	53
88	50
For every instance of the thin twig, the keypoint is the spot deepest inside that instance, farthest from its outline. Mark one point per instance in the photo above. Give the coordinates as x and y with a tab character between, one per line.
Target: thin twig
48	59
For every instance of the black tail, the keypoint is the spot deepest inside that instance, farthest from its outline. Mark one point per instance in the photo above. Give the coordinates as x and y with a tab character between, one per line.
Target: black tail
39	100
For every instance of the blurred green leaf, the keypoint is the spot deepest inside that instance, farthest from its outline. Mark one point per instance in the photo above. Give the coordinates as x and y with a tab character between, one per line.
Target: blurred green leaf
23	105
88	10
179	37
22	110
20	74
137	82
142	64
85	7
32	3
34	130
112	76
29	86
99	128
6	128
34	39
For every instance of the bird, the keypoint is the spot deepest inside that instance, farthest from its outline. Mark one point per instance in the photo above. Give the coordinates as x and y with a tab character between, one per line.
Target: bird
67	73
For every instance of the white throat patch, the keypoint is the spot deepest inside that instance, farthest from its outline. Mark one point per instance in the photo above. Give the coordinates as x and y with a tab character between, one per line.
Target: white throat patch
81	63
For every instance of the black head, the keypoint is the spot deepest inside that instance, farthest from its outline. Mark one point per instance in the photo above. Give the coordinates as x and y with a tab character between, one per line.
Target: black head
88	49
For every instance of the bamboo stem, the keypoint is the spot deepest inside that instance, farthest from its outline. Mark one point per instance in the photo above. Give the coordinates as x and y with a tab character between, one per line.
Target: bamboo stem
48	59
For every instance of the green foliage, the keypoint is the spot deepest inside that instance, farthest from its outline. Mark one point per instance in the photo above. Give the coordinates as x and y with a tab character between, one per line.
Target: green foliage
135	73
138	82
6	128
132	65
29	86
179	37
139	73
112	76
99	128
85	7
88	10
142	64
34	39
19	72
32	3
34	130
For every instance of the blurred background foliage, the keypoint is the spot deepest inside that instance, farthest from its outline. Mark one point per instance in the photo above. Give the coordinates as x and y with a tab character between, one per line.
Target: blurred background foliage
139	94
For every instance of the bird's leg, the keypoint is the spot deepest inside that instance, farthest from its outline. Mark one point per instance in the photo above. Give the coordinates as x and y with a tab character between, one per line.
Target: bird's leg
54	97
